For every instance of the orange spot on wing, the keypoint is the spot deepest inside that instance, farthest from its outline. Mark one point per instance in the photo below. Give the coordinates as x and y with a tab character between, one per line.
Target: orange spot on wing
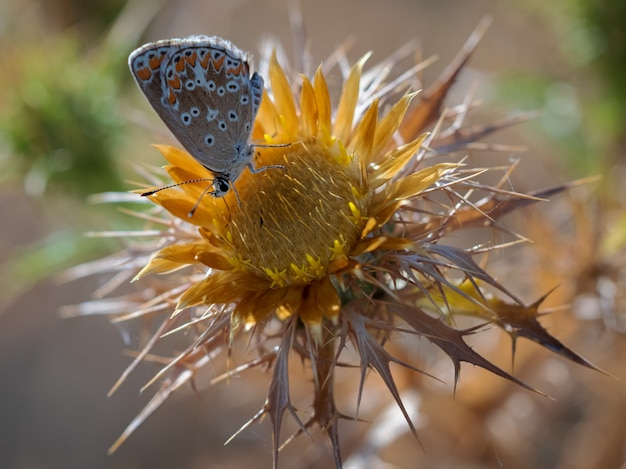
175	82
236	71
205	60
143	73
218	63
172	97
154	62
191	60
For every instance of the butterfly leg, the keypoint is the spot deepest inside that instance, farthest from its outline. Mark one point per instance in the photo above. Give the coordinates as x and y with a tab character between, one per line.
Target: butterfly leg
254	170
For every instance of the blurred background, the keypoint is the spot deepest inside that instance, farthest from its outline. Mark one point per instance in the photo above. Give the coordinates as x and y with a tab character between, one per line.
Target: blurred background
72	123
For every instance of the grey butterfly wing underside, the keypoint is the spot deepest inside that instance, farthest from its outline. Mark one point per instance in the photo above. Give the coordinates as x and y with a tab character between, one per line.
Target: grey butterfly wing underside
202	90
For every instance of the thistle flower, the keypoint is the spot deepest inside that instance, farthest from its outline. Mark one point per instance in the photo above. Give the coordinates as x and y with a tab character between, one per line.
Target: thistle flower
345	249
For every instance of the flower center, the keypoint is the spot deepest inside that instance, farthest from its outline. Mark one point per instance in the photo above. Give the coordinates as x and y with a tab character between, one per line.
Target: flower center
297	225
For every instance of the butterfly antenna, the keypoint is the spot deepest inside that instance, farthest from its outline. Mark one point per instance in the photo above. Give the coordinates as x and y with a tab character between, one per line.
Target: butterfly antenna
197	204
144	194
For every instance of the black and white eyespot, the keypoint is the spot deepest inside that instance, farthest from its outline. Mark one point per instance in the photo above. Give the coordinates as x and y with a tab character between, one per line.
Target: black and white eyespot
247	127
232	116
221	91
211	114
170	73
190	85
209	140
194	111
232	86
223	126
185	117
210	85
199	81
244	99
216	54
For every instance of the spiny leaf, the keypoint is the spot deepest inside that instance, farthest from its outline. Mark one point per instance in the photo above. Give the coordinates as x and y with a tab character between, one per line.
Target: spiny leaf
431	268
278	400
522	321
325	411
463	260
373	355
451	342
517	320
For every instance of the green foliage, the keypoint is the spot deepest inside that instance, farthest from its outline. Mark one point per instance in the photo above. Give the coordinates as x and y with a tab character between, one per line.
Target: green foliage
60	126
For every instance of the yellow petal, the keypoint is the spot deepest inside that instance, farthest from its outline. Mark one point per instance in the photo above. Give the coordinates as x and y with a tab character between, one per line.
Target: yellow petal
413	184
389	124
180	158
267	119
363	138
308	109
395	161
463	299
283	96
348	101
214	260
182	253
367	245
385	209
221	287
257	307
323	105
179	205
157	266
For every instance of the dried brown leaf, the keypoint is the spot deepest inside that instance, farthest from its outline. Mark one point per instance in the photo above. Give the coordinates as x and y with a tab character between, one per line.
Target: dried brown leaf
427	106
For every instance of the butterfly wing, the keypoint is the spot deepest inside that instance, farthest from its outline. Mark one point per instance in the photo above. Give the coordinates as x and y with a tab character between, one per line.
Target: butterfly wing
201	88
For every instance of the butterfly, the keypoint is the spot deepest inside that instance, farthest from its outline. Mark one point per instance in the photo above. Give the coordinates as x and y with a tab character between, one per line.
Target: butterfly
201	88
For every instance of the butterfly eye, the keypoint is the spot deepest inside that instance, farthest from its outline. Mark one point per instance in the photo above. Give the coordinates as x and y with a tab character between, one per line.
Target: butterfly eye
221	185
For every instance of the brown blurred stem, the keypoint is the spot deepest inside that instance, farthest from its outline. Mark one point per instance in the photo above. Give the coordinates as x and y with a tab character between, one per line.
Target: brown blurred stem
324	403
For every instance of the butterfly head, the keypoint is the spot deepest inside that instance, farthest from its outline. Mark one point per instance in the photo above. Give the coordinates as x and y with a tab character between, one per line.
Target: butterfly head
221	186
